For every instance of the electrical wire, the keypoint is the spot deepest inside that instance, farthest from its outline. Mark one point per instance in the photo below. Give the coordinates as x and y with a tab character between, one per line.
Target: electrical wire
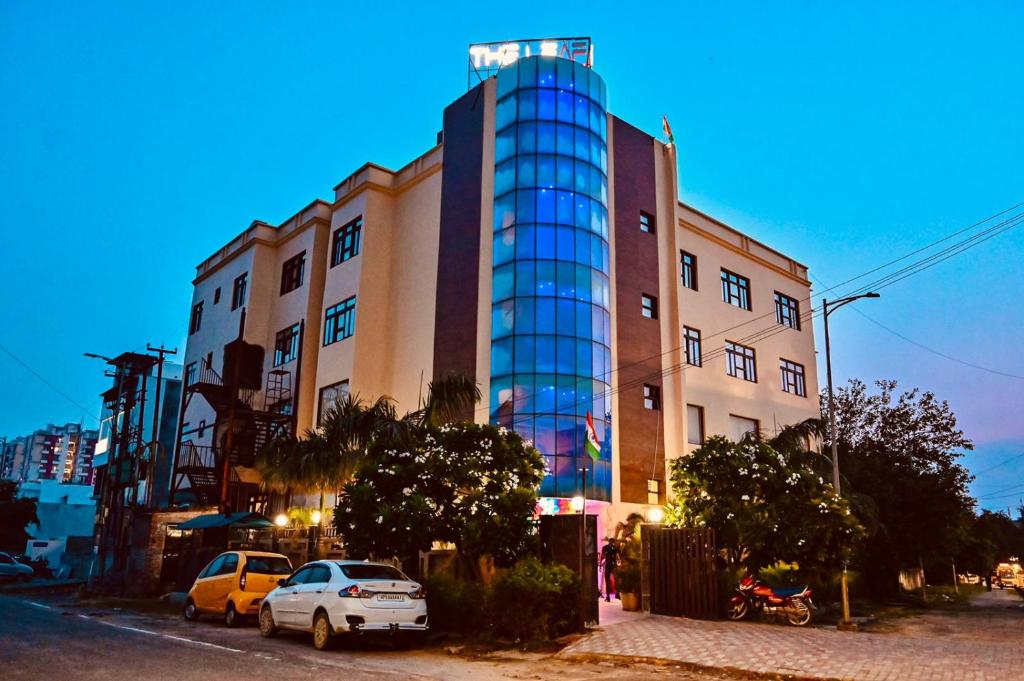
883	282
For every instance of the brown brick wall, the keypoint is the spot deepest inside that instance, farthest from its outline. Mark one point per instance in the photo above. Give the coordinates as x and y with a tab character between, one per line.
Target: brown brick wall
640	432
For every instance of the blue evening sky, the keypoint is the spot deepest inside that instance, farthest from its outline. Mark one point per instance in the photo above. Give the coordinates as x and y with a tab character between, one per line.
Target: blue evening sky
135	140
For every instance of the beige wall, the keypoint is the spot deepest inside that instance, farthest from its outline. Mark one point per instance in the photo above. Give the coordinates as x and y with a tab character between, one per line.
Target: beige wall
717	246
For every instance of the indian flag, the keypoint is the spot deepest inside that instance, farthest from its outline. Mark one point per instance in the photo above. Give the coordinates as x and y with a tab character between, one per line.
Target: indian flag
593	445
668	130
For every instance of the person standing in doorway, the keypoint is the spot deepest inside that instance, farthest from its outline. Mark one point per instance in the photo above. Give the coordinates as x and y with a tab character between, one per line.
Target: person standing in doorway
609	561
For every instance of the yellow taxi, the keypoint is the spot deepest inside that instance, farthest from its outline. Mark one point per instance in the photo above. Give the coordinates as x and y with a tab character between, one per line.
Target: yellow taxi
234	583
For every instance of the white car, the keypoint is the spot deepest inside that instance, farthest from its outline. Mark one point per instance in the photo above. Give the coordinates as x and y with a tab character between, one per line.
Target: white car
330	597
10	568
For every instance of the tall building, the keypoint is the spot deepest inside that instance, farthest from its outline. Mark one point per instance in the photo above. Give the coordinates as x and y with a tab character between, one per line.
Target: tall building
61	453
540	246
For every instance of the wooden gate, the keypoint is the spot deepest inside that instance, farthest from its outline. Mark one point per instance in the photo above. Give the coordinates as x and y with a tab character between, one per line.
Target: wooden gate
681	577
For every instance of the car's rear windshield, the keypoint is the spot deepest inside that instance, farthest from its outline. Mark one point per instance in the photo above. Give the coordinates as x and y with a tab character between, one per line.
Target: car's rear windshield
268	565
371	572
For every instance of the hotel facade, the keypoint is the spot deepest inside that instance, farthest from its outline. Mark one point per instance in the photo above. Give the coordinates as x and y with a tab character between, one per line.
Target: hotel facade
541	248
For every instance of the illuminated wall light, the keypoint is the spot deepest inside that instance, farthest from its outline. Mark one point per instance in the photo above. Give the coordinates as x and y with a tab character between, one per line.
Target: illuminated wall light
281	520
655	515
315	517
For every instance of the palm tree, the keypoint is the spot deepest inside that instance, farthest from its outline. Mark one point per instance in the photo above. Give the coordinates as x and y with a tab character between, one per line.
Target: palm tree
328	457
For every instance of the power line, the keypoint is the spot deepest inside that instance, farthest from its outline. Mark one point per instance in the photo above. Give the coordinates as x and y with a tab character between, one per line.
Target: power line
936	352
763	334
52	387
1000	464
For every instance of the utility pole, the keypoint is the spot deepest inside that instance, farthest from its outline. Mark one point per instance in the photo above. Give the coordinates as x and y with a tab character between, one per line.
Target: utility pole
829	308
155	433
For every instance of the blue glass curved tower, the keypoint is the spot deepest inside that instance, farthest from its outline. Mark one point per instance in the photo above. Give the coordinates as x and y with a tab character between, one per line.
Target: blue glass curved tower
550	325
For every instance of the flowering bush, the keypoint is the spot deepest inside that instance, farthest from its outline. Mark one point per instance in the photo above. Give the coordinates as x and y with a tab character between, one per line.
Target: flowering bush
766	505
472	485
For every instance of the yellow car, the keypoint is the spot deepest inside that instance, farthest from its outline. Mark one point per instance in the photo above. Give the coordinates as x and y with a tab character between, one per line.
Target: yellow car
234	583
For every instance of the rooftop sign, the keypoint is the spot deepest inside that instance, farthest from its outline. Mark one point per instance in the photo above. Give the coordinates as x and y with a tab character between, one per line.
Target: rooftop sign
486	58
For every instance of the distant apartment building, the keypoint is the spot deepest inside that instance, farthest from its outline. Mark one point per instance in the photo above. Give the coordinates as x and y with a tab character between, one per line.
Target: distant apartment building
62	453
541	248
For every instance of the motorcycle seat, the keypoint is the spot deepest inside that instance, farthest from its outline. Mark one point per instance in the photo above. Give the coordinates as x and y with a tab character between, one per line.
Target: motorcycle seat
789	590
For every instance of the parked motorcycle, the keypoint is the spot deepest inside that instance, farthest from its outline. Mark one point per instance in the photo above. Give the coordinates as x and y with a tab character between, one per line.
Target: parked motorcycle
794	604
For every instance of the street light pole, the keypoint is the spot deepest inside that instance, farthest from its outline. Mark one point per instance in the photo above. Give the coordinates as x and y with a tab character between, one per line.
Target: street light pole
828	308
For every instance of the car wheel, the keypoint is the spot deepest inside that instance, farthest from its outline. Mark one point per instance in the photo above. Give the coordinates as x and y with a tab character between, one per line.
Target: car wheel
267	626
323	634
231	616
191	612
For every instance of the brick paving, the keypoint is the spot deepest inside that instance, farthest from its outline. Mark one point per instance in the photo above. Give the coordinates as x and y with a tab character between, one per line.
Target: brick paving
824	653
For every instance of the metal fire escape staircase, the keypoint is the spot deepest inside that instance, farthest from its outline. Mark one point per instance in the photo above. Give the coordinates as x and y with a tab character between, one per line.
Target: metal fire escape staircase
202	465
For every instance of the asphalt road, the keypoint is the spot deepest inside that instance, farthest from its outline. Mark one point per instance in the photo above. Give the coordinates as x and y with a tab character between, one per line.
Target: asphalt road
54	639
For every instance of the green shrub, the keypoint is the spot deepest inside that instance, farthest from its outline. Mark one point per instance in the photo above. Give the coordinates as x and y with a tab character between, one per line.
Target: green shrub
534	601
455	605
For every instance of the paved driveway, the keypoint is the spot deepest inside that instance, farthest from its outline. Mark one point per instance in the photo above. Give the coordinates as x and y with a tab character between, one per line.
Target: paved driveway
944	646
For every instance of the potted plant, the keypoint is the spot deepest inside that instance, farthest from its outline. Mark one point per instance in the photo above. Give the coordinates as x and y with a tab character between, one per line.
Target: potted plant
627	579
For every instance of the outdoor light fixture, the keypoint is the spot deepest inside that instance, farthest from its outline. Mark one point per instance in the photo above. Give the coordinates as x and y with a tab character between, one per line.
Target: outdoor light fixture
576	504
655	515
281	520
315	517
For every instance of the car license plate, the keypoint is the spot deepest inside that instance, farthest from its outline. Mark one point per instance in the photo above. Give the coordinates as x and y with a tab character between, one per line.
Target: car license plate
391	597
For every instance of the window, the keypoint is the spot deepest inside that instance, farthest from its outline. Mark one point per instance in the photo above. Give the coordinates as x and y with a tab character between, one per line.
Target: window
301	577
286	345
267	565
291	273
787	311
340	321
346	241
213	567
216	295
741	362
238	291
688	269
793	378
229	565
330	396
735	289
318	574
653	491
692	338
652	397
371	571
741	426
196	320
202	428
648	306
646	222
190	374
694	424
209	360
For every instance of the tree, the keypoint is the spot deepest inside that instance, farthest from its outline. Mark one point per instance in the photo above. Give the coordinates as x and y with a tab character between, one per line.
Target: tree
765	504
898	456
17	514
326	457
472	485
992	538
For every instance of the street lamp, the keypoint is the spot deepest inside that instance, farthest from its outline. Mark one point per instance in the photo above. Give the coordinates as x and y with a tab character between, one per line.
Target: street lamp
93	355
829	308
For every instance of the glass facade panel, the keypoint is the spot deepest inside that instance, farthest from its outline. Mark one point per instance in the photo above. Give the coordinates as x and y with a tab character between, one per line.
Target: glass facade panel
550	352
